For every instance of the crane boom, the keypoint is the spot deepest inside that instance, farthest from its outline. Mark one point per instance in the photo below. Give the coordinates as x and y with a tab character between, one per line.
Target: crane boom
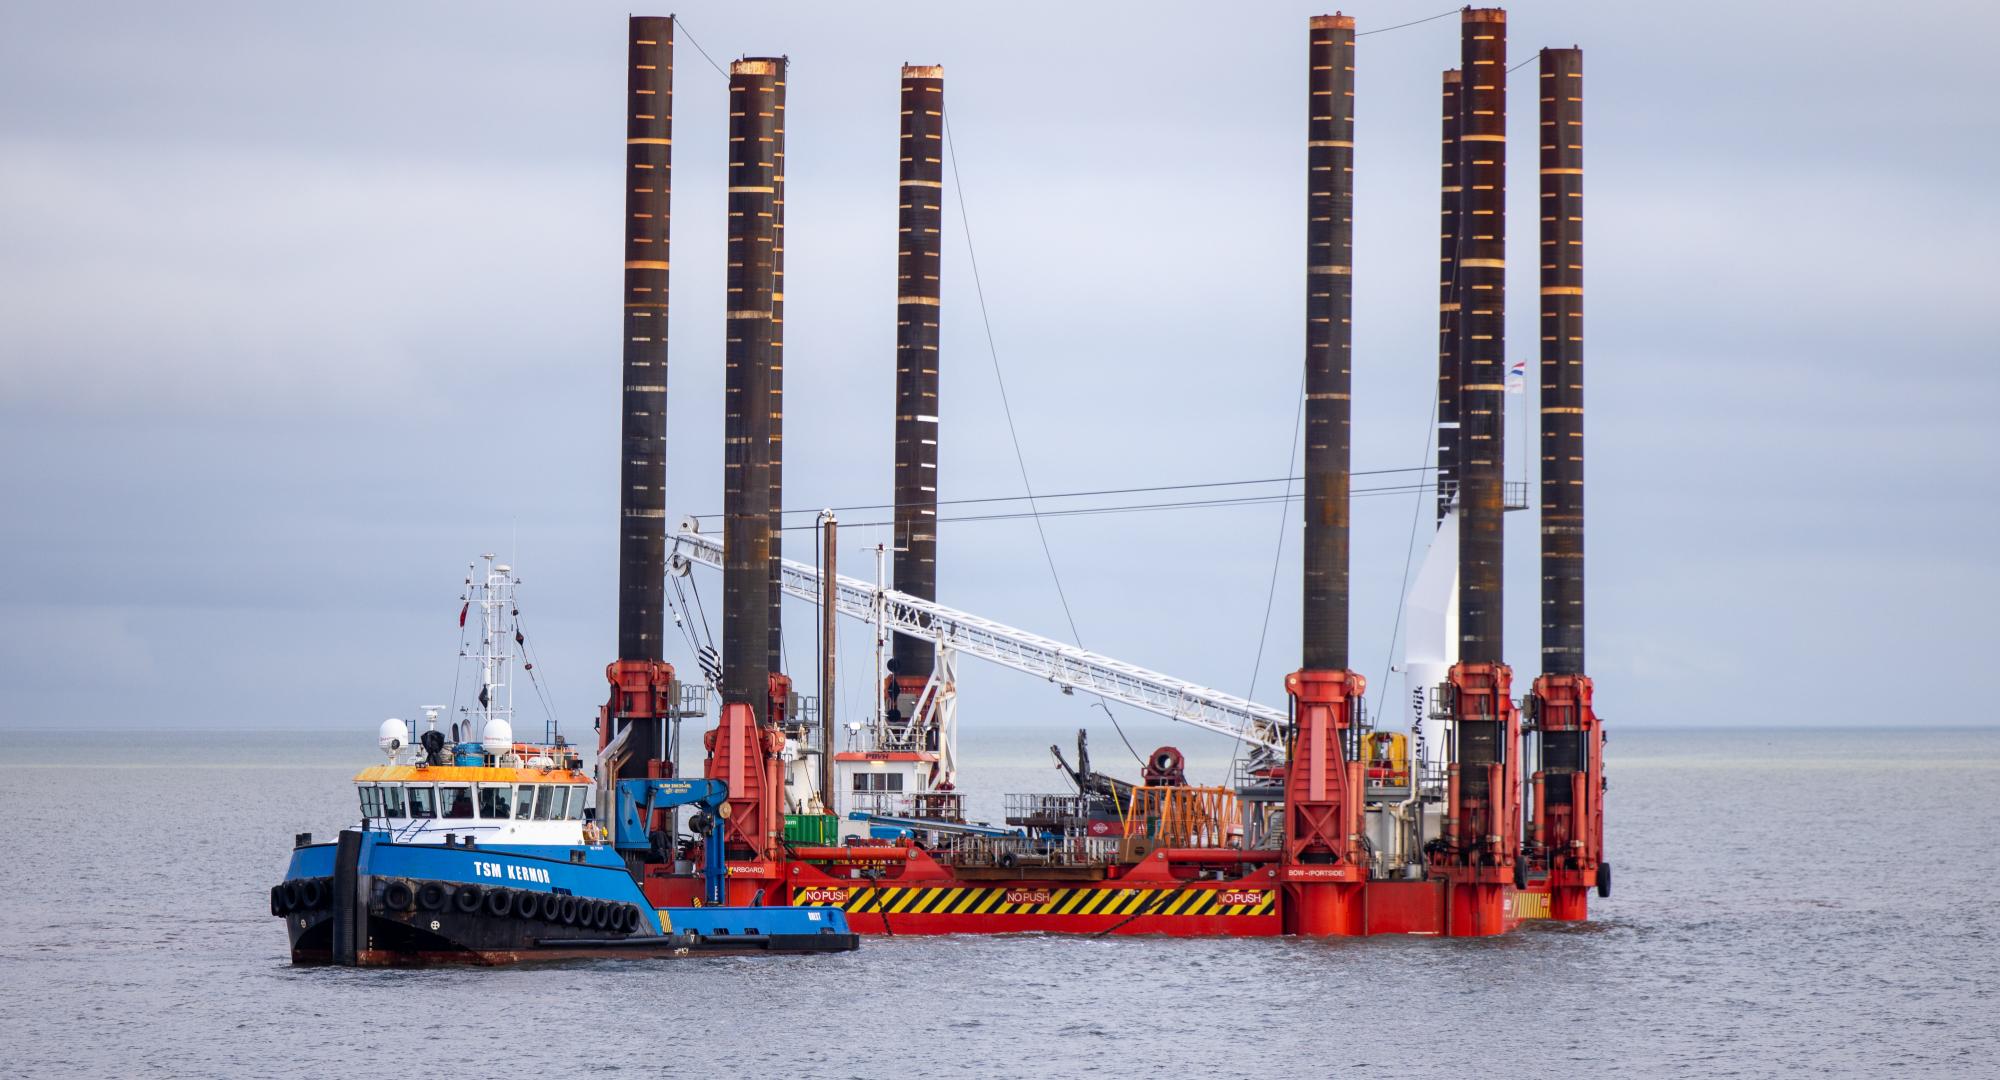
1065	665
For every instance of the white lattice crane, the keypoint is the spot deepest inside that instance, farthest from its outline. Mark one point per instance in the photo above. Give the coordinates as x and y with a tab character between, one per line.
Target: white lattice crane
1067	666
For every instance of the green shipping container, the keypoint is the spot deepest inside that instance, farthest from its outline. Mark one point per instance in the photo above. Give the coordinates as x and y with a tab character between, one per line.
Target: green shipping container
819	829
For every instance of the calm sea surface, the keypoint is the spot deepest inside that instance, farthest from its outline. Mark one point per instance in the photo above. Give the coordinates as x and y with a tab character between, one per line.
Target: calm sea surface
1787	903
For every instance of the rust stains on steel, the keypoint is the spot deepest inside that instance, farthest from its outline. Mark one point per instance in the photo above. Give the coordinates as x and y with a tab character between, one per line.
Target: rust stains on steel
642	463
748	512
1562	360
1450	195
1329	314
1480	341
919	225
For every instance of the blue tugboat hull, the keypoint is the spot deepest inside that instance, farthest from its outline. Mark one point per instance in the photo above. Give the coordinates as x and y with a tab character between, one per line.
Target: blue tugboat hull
370	902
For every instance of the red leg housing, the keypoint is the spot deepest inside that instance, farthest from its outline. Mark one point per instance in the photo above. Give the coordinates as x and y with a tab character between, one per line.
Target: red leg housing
1483	826
1569	810
1324	866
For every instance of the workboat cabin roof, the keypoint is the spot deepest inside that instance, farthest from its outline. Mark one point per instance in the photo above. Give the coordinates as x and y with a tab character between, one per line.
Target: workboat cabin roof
524	794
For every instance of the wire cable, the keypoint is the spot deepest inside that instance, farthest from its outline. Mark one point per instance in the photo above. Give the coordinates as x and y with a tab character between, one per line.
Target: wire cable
458	666
698	48
1091	511
1277	557
1020	459
1409	550
1398	26
1277	560
542	692
1051	496
1048	496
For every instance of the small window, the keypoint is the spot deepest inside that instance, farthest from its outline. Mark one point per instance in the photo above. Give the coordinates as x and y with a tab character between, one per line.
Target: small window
392	801
524	802
545	807
496	801
577	793
456	800
371	801
423	801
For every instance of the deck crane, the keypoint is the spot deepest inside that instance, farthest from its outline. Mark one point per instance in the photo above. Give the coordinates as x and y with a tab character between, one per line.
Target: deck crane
1072	668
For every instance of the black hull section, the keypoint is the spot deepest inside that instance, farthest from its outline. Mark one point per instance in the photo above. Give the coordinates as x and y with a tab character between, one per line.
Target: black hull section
407	922
356	919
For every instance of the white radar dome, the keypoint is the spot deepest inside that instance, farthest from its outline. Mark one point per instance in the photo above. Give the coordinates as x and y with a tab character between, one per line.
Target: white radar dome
497	736
393	735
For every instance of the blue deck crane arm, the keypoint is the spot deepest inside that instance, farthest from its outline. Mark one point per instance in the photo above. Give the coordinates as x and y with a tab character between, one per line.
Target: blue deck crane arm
637	799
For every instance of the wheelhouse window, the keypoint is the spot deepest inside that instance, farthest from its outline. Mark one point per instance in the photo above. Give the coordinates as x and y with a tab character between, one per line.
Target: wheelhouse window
423	801
496	801
524	802
371	801
569	802
878	781
545	802
456	799
577	795
392	801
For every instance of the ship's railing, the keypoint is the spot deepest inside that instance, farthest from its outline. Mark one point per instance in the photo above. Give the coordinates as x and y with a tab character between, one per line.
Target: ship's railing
930	805
1045	811
909	737
1513	494
1183	816
1390	782
1007	852
803	737
1387	777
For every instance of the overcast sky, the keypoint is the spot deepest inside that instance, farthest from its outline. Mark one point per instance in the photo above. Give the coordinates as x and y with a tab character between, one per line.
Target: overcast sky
304	306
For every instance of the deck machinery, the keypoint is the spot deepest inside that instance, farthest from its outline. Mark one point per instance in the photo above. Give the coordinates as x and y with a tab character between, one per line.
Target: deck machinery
1329	828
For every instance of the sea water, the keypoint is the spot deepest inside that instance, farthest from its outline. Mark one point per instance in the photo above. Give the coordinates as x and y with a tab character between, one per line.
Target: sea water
1787	902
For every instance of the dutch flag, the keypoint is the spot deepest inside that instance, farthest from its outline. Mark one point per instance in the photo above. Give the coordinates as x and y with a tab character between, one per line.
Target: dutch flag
1517	376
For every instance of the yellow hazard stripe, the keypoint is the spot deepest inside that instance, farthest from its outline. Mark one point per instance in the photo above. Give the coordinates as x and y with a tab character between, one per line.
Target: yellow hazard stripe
934	898
962	900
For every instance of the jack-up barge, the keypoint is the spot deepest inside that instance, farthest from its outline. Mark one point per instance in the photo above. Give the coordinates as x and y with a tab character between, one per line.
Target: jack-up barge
1483	812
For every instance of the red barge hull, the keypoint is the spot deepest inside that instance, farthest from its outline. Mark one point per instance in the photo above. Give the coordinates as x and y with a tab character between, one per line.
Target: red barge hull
1254	905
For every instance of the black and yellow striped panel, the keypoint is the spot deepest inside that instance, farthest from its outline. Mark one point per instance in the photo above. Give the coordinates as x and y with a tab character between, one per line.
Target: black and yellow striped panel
1001	900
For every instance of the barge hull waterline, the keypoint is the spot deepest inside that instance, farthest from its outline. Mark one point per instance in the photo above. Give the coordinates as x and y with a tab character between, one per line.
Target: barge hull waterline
1433	907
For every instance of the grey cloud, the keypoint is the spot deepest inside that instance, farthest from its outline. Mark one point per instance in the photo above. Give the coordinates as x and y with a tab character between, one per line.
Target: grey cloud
302	308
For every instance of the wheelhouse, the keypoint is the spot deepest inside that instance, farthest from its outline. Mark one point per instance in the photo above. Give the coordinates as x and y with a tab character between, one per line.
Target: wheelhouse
494	804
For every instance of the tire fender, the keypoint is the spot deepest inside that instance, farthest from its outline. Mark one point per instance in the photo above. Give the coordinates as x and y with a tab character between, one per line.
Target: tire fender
398	896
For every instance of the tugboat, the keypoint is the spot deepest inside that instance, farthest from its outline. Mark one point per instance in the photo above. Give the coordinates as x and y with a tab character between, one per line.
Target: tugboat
475	848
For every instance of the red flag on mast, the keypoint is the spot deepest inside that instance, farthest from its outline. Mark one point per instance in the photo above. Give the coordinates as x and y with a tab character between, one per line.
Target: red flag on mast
467	606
